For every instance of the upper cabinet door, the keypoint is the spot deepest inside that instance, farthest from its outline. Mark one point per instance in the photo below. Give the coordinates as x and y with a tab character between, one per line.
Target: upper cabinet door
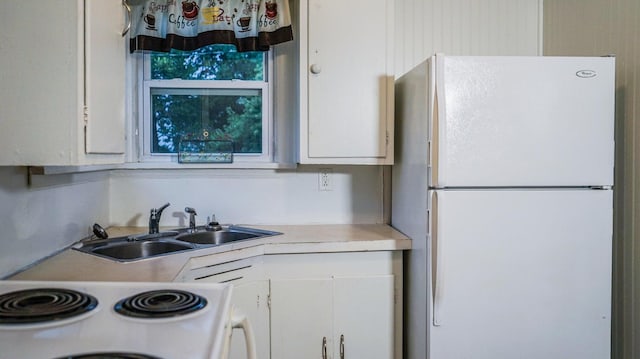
40	73
105	56
50	74
524	121
346	82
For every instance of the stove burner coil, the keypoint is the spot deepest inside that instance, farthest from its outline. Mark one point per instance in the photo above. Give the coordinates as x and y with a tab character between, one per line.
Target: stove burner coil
43	305
110	356
160	304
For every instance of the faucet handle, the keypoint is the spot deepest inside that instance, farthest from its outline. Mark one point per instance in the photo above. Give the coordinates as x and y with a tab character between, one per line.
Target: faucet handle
192	218
154	218
159	210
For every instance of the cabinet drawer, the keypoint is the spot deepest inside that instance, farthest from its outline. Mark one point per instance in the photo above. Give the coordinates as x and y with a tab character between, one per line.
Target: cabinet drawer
234	271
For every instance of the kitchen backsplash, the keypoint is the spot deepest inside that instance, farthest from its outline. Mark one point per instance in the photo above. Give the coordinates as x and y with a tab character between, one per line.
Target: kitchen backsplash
249	196
56	211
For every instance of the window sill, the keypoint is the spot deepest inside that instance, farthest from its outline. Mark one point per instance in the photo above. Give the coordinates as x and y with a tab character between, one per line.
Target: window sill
53	170
234	165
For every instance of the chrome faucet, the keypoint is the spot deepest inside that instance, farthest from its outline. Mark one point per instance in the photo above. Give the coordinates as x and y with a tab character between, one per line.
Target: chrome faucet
192	218
154	218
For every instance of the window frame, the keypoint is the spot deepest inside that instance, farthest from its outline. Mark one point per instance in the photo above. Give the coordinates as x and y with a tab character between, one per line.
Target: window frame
143	130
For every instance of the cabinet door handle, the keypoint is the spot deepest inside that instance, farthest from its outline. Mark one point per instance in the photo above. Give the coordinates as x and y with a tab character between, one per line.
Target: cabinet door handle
128	25
324	347
341	346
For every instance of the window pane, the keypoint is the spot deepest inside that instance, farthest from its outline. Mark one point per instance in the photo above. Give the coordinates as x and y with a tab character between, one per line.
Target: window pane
230	114
213	62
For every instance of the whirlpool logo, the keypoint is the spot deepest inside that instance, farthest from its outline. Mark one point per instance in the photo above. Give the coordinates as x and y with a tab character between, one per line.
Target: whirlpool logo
586	74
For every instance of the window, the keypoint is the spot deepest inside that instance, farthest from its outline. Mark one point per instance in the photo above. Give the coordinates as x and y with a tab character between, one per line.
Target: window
213	90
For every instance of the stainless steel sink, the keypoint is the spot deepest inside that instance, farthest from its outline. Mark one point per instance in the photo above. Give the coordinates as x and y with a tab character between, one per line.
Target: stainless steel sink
137	247
215	237
124	251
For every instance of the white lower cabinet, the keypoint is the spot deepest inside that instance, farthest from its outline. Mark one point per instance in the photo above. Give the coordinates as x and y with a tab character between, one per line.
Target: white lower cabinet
252	299
334	318
250	295
363	317
313	305
300	317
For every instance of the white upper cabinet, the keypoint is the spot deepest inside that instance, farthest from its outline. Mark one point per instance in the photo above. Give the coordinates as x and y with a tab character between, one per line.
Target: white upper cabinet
105	56
346	82
62	71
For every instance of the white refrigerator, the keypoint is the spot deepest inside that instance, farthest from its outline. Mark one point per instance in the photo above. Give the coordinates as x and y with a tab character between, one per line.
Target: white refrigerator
504	182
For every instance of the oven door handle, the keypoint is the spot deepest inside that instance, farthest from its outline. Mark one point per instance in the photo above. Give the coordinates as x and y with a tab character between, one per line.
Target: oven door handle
240	321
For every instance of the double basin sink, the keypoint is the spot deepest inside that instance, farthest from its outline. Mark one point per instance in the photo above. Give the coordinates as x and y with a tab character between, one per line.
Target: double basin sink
136	247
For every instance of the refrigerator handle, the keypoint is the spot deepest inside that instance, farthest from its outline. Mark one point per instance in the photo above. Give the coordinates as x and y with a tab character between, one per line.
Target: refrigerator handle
436	262
434	145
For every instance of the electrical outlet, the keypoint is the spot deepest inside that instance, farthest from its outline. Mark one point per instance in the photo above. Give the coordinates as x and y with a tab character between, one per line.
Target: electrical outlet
325	180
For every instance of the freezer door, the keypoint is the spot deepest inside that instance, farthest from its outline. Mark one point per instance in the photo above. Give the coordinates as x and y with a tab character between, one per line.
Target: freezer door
523	121
521	274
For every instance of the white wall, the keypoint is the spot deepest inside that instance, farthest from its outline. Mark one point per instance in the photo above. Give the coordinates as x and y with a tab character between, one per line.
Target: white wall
465	27
248	196
52	213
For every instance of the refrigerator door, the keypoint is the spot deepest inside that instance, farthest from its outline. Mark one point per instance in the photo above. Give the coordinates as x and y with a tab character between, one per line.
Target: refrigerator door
520	274
523	121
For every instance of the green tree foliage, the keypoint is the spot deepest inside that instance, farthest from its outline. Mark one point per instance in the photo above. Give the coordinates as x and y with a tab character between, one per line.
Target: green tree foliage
226	114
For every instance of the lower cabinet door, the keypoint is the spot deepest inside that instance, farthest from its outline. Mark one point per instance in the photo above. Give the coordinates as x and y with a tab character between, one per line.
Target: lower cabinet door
301	318
333	318
363	317
252	299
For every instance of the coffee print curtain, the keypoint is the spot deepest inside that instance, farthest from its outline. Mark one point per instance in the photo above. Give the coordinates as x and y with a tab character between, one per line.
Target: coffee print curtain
251	25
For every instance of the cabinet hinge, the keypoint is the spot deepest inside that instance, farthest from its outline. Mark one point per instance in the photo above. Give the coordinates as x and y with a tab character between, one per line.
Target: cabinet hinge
269	301
85	114
395	296
387	138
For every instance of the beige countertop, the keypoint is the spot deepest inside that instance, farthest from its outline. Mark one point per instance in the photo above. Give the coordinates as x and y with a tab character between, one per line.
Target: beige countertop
74	265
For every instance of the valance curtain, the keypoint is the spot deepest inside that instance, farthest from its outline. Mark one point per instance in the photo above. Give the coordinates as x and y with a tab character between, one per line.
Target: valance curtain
251	25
